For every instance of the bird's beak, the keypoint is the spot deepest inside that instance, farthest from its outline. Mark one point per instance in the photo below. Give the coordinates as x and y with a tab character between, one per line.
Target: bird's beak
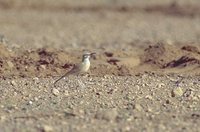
92	53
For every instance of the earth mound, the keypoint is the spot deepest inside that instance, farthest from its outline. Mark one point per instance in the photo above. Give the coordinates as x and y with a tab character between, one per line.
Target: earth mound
49	62
165	56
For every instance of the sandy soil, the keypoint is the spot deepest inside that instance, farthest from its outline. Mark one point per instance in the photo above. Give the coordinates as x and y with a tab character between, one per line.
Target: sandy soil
144	76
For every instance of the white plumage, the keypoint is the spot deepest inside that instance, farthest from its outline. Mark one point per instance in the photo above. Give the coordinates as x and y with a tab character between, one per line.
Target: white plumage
84	66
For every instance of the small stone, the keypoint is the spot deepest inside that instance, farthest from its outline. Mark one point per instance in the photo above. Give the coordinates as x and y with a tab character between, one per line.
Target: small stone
66	93
35	78
169	42
149	97
13	83
2	118
15	93
127	129
195	98
160	85
177	92
10	64
2	106
137	87
108	115
47	128
43	67
138	107
191	106
35	98
55	92
162	127
189	94
149	110
30	102
167	101
144	84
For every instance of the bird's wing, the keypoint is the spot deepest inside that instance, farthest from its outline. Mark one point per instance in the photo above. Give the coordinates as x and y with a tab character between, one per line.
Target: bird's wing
74	70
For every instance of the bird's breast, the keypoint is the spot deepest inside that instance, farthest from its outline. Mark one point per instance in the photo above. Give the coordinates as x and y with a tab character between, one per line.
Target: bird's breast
85	66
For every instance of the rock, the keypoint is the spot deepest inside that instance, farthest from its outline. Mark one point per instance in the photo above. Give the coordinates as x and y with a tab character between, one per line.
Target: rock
167	101
177	92
35	98
66	93
2	106
169	42
47	128
15	93
10	64
13	83
195	98
160	85
55	92
108	115
161	127
149	97
30	102
43	67
2	118
36	79
188	94
138	107
127	129
144	84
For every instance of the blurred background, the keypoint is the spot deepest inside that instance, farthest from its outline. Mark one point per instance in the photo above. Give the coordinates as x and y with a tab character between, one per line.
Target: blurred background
118	24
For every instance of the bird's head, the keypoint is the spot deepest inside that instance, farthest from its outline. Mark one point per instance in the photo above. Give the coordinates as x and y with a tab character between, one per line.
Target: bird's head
87	56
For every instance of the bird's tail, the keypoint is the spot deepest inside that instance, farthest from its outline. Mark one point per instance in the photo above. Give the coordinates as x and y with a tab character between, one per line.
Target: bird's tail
60	78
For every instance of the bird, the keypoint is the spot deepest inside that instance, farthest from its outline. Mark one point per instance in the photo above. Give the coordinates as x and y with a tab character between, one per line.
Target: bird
83	67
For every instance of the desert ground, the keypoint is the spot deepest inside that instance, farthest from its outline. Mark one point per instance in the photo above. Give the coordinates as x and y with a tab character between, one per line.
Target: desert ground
145	75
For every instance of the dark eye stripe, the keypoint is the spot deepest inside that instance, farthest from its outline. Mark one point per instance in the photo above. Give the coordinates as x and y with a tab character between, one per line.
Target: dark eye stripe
85	56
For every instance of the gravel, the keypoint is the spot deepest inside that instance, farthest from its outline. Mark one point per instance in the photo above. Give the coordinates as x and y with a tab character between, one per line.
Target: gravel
115	103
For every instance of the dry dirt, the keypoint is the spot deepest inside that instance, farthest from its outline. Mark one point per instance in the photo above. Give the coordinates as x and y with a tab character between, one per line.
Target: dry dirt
145	75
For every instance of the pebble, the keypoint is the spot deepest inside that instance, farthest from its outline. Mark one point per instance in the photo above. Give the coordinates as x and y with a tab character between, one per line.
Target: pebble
55	92
30	102
43	67
2	118
108	115
160	85
2	106
47	128
127	129
161	127
149	97
195	98
177	92
137	87
35	98
66	93
15	93
138	107
10	64
13	83
36	79
144	84
169	42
